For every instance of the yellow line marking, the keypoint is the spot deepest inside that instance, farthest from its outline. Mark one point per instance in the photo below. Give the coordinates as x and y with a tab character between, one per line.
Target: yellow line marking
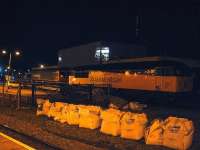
17	142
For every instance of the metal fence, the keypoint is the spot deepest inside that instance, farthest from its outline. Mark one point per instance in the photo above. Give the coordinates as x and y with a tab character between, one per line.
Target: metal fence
25	94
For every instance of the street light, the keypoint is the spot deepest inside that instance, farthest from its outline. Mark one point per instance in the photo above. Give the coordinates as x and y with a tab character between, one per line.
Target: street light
4	52
41	66
16	53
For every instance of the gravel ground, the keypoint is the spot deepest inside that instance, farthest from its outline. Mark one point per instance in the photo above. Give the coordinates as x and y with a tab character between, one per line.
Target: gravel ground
73	137
25	121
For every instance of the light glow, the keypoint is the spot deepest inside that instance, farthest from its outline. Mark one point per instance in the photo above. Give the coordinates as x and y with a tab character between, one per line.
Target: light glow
74	79
4	52
127	73
59	58
102	53
42	66
17	53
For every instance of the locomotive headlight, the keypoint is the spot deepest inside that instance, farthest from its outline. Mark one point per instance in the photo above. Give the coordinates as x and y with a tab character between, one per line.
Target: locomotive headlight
74	79
127	73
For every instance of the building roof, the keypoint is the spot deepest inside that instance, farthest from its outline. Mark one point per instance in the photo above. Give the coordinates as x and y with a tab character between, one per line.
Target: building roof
189	62
103	43
46	68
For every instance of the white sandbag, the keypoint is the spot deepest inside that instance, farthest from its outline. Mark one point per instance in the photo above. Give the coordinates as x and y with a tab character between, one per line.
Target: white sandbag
90	121
133	125
111	115
178	133
55	110
89	116
111	121
111	128
63	115
73	115
86	110
154	133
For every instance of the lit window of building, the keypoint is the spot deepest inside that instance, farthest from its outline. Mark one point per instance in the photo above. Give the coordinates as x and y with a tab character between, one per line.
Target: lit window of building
102	53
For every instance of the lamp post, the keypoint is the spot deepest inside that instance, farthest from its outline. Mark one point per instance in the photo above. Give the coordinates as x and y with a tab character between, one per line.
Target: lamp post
16	53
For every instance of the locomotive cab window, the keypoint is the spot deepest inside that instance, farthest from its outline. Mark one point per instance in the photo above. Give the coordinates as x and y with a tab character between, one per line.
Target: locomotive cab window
169	71
158	71
184	71
162	71
81	74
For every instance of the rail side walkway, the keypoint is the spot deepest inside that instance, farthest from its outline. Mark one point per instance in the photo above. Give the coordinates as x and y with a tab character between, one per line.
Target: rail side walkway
9	143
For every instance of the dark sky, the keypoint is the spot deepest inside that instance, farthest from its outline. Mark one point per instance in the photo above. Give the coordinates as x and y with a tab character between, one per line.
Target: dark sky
40	28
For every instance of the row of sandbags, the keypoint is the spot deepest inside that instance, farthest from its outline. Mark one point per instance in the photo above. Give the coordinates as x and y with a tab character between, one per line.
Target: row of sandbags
176	133
111	121
84	116
128	125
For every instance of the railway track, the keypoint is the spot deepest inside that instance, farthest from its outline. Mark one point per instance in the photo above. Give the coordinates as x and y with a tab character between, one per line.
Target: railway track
24	141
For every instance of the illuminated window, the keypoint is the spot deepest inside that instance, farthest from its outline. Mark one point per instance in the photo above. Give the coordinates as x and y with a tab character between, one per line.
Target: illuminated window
102	53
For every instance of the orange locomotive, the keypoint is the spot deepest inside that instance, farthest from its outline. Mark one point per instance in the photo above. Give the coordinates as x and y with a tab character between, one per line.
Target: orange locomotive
150	74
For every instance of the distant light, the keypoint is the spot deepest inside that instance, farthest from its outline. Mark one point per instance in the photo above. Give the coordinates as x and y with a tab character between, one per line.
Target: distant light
8	67
17	53
19	73
41	66
135	74
4	52
14	70
127	73
28	70
59	58
6	70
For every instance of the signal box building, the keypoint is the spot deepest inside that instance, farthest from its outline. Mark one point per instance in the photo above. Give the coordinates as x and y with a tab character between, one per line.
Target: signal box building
98	52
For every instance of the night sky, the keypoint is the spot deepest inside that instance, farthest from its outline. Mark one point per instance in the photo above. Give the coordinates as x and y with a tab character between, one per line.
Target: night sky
41	28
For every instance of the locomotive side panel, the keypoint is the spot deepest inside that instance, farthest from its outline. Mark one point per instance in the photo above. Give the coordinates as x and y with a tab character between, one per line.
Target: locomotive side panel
136	81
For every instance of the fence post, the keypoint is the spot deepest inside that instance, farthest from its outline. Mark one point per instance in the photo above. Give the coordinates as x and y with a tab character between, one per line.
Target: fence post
33	95
90	92
108	94
3	87
19	96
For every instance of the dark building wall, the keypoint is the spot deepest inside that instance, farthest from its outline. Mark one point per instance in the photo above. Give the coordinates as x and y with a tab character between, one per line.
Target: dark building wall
126	50
85	54
77	56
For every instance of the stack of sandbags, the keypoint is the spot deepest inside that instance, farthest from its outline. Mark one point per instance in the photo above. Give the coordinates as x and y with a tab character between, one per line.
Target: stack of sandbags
55	110
89	116
176	133
73	114
111	121
43	107
133	125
